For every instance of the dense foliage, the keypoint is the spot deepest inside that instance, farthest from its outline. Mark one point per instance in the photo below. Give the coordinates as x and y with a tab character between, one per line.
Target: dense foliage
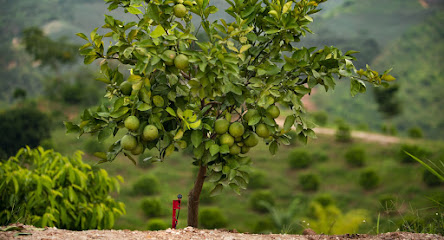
44	188
22	126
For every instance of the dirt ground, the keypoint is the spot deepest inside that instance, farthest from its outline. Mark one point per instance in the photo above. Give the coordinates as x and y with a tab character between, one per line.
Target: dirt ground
30	232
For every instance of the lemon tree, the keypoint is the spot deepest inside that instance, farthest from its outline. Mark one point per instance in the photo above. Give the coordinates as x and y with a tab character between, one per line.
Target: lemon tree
219	96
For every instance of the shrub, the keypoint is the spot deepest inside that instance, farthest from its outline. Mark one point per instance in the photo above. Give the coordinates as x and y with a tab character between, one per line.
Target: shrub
389	129
258	180
415	132
92	146
319	156
431	179
22	127
320	118
415	150
156	224
260	196
43	188
369	179
299	158
152	207
211	218
355	156
265	225
144	162
309	182
343	132
387	203
146	185
411	223
324	199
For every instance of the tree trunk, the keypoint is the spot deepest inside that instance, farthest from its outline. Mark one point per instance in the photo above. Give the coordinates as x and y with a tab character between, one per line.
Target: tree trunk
193	198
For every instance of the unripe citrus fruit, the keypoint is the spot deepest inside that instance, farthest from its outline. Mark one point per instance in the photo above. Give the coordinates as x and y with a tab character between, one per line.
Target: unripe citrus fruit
181	62
236	129
274	111
226	139
245	149
150	133
128	142
262	130
180	10
126	88
158	101
138	149
251	140
132	123
235	150
169	55
221	126
250	113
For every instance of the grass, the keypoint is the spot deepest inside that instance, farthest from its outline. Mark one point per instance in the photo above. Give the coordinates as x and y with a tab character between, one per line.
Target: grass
176	175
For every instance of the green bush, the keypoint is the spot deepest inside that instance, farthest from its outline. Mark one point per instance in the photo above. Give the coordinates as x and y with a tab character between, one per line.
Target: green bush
387	203
320	118
299	158
143	161
411	223
265	225
415	132
343	132
22	127
258	180
211	218
92	146
259	196
309	182
431	179
355	156
369	179
415	150
319	156
156	224
146	185
152	207
43	188
324	199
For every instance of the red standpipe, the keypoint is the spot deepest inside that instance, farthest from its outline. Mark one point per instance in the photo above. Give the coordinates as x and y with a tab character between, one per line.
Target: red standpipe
176	206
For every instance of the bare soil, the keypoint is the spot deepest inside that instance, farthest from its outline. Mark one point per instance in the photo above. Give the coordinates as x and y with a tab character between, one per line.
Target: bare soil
30	232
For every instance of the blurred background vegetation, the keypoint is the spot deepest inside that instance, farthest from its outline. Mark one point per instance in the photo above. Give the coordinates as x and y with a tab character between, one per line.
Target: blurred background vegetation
335	184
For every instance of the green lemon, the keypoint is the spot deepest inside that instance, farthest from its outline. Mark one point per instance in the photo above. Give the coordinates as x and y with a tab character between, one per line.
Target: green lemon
181	62
126	88
262	130
221	126
245	149
128	142
226	139
169	55
132	123
236	129
251	140
273	111
180	10
235	150
138	149
150	132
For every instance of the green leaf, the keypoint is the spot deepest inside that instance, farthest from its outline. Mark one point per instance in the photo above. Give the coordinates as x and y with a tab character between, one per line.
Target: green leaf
217	190
82	36
120	112
214	149
254	120
195	124
196	138
105	133
273	148
224	149
159	31
235	188
289	121
134	10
